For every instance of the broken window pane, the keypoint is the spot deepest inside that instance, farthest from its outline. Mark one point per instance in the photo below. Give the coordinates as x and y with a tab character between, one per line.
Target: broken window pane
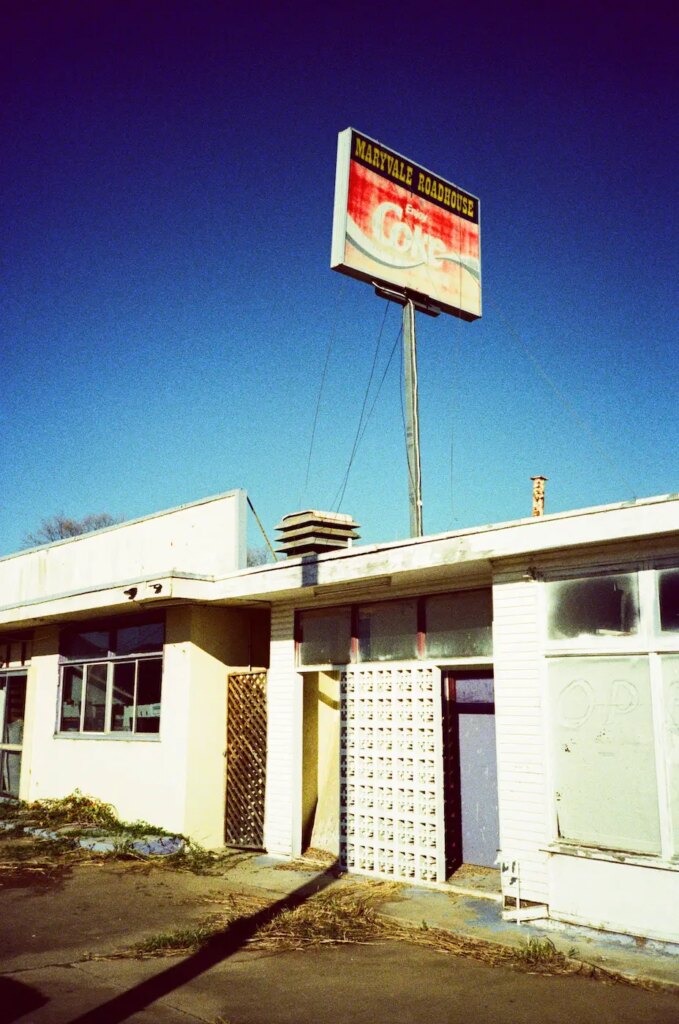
460	625
71	698
149	676
668	597
387	631
326	637
596	606
12	706
603	750
95	698
10	772
122	703
670	671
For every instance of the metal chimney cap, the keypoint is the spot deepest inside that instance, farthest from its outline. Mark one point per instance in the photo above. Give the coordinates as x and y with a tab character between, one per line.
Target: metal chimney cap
311	515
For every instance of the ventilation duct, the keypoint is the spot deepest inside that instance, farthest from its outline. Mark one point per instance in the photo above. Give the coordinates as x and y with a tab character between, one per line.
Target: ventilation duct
311	532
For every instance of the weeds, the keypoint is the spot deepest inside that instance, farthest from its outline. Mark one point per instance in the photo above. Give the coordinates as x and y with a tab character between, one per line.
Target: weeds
541	953
183	940
76	823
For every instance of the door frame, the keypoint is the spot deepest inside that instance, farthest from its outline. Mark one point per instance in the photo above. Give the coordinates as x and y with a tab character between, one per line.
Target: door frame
452	787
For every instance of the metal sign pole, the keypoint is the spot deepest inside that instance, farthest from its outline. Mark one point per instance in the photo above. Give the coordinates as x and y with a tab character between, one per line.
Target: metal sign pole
412	419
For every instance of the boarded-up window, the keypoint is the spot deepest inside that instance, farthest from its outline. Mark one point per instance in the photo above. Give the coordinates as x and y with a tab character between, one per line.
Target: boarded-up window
325	637
597	606
670	671
604	761
460	625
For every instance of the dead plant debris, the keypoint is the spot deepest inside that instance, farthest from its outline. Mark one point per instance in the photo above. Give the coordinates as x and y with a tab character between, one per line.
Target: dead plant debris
312	860
66	821
349	914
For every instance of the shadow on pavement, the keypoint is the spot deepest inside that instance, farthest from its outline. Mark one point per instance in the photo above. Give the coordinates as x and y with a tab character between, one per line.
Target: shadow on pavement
219	948
17	999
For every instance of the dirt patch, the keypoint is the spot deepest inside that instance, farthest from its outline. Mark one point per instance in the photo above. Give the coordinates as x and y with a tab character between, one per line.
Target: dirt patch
27	862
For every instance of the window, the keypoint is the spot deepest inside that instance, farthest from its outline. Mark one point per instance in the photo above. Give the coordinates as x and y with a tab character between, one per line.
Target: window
444	626
668	600
387	631
596	606
614	718
325	637
460	625
111	678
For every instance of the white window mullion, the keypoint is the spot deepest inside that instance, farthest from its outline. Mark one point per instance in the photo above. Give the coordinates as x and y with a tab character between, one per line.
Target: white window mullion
134	704
661	759
83	697
648	612
109	697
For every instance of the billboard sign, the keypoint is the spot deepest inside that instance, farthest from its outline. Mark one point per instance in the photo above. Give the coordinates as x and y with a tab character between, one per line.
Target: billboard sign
399	226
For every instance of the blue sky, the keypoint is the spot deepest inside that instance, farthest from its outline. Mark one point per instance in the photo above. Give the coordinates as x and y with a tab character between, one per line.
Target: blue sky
167	299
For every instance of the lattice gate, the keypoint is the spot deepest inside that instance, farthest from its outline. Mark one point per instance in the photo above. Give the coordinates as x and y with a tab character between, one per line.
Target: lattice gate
245	759
391	772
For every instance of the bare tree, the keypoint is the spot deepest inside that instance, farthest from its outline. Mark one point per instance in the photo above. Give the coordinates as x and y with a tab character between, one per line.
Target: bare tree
259	556
59	526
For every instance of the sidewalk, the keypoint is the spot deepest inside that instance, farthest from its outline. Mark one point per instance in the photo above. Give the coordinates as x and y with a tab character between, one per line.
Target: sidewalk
481	919
60	941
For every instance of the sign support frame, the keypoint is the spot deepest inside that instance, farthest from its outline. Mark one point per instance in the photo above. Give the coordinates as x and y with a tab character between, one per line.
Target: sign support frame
412	419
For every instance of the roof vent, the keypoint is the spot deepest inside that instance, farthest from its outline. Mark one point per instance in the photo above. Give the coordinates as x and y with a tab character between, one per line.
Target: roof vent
312	532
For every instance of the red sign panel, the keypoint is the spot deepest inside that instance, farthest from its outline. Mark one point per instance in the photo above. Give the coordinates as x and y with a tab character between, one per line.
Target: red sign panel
399	226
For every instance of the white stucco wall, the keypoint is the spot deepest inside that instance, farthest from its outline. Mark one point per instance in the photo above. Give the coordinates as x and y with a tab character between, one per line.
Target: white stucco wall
206	537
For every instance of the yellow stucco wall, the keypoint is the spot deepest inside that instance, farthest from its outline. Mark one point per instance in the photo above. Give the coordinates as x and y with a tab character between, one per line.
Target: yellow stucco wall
175	780
321	761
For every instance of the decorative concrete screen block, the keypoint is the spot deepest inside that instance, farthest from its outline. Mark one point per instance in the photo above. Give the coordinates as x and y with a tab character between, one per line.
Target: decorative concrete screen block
391	772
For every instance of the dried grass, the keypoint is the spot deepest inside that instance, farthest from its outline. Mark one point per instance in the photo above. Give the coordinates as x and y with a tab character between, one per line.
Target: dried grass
311	860
347	914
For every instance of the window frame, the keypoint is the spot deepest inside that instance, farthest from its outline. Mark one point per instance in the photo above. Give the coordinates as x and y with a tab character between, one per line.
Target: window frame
110	661
8	749
472	661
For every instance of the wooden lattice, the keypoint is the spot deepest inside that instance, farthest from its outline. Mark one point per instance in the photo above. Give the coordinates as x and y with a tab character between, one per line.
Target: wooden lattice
246	759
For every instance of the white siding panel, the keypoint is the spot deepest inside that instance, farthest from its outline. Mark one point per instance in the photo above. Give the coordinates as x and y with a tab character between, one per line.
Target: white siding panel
283	767
517	653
